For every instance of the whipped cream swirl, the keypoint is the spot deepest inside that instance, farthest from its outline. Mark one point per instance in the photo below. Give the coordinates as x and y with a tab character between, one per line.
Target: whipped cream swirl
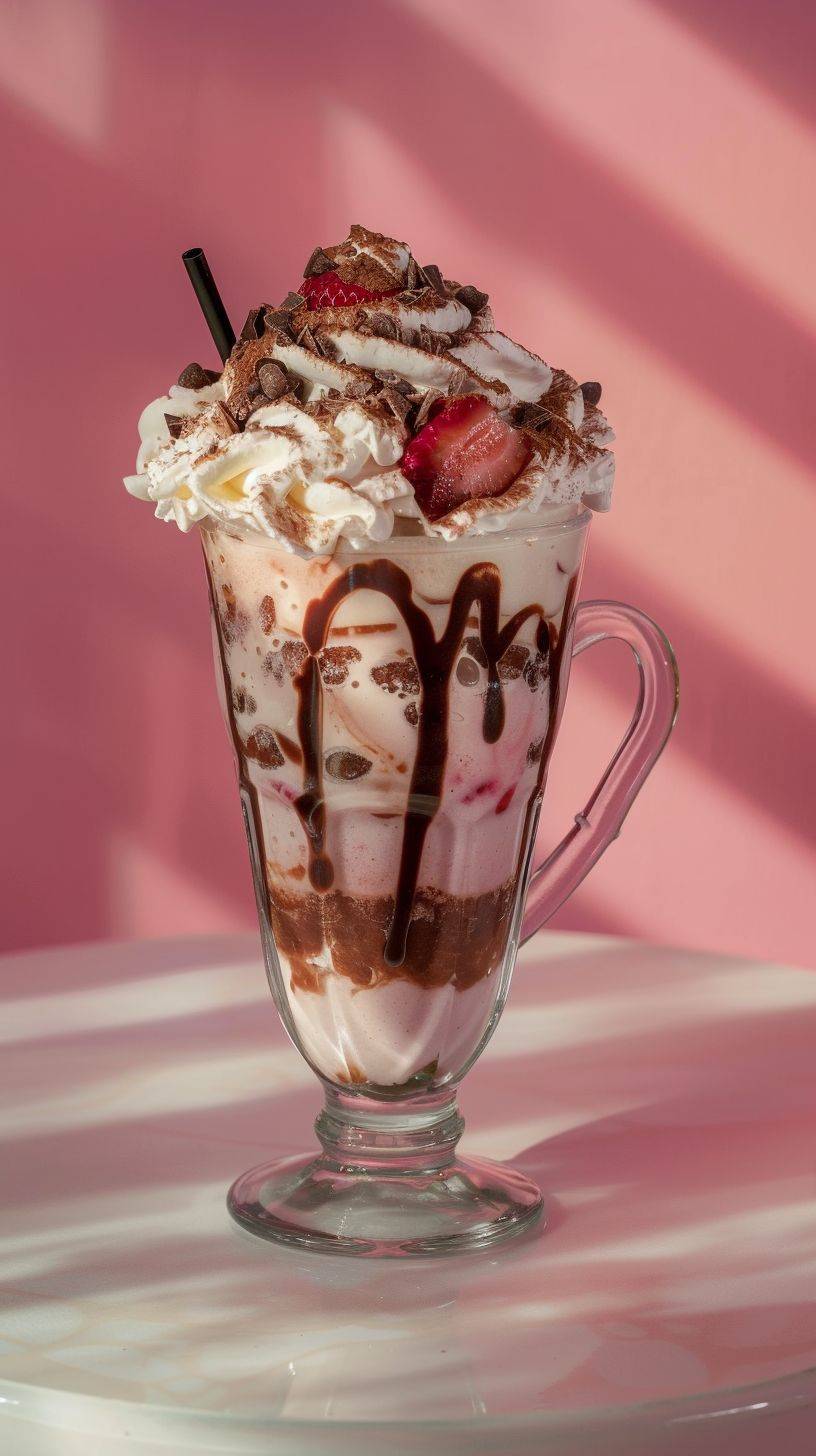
302	435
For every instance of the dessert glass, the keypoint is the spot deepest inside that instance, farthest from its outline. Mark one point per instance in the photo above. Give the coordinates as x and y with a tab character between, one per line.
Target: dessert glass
392	711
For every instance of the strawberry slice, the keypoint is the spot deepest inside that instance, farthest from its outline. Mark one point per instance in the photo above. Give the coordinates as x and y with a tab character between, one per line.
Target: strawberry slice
327	290
464	451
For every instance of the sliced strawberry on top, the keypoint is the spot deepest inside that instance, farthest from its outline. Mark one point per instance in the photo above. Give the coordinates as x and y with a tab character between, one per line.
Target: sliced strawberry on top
463	452
327	290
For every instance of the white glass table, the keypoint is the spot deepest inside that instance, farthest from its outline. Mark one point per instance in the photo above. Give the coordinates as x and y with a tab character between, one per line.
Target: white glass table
666	1101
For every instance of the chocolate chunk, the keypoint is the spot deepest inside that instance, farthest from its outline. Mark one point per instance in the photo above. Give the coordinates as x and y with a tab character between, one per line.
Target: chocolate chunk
467	672
472	298
397	677
291	302
474	647
411	714
287	662
319	262
434	277
262	746
268	615
343	764
334	664
272	379
195	377
591	391
174	424
411	276
513	663
243	702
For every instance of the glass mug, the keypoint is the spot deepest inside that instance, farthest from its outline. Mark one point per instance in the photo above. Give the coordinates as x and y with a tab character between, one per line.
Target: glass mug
392	711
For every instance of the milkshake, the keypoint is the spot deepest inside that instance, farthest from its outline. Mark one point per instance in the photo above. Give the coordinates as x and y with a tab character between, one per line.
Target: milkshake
393	499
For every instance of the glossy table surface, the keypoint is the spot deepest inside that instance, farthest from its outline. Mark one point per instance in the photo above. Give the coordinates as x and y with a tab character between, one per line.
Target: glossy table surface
665	1101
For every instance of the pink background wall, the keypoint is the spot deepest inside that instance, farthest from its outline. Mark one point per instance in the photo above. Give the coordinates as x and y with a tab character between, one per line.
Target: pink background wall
632	182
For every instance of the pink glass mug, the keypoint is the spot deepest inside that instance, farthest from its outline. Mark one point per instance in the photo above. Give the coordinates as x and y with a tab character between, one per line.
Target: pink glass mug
392	711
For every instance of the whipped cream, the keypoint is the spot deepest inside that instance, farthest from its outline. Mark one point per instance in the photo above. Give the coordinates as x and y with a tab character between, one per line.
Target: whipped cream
302	436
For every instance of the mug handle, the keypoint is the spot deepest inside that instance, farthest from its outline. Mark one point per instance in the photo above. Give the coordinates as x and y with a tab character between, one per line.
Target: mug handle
554	879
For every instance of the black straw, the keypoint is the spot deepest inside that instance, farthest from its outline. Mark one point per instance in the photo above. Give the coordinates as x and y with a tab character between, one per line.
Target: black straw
198	270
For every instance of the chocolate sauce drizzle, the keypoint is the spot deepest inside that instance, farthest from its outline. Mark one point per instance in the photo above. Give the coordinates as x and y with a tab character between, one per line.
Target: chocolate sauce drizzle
479	586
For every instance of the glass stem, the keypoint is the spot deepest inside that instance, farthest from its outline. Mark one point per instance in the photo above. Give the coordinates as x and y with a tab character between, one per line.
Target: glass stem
362	1135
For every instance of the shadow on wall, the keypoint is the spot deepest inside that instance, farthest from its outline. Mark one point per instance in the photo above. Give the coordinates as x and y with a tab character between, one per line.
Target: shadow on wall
118	755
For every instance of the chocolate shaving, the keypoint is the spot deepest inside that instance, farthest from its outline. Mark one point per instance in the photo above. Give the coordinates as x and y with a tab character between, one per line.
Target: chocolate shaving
536	670
358	387
325	345
254	325
411	276
319	262
591	392
397	403
434	277
472	298
429	400
243	702
306	339
383	325
272	379
396	381
459	383
279	321
196	377
174	424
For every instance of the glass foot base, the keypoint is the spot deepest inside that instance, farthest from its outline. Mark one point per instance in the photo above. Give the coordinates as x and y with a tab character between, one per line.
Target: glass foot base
312	1203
